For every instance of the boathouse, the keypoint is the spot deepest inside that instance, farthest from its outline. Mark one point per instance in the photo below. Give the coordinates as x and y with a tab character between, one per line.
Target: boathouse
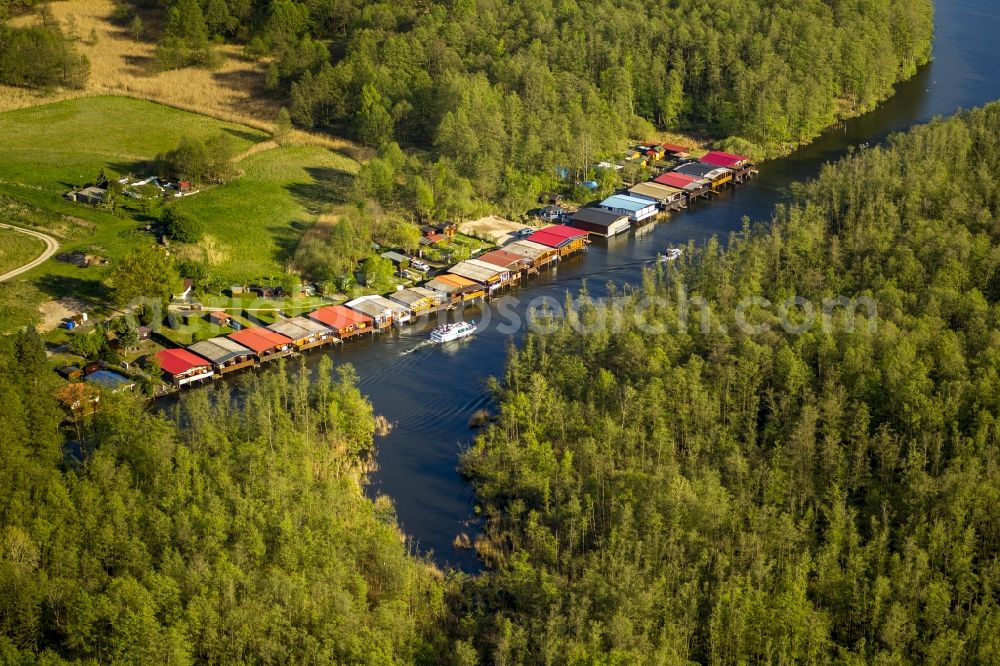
417	300
183	367
741	165
381	310
715	175
600	221
266	345
560	237
489	275
638	210
224	354
539	255
303	332
718	158
506	259
667	197
456	289
343	321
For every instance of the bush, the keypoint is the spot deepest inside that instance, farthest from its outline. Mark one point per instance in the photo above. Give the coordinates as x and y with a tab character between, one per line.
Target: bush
182	226
200	161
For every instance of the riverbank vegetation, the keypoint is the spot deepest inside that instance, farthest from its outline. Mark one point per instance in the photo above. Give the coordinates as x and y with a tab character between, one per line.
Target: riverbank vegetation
728	496
242	536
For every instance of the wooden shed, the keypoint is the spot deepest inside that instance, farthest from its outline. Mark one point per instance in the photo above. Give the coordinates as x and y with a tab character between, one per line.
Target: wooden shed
343	321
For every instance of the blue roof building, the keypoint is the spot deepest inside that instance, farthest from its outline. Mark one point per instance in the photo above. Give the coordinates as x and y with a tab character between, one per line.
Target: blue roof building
637	209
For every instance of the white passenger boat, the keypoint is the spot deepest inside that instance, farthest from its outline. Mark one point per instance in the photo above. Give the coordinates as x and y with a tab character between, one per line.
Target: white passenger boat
671	254
450	332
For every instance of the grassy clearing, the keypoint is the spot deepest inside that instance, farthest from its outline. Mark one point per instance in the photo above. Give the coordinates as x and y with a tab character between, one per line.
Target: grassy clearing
58	146
121	66
17	249
254	223
50	149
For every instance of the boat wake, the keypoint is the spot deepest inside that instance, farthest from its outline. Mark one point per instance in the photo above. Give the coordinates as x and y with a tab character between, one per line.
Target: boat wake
420	345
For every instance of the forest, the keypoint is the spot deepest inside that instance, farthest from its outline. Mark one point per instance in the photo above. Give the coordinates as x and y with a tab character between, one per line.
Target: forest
801	494
766	492
494	88
229	532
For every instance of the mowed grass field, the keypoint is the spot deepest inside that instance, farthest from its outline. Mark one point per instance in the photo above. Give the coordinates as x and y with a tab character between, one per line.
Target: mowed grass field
58	146
17	249
253	223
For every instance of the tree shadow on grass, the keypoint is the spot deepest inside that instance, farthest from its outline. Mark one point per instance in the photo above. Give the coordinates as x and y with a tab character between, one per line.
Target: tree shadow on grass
328	187
88	290
137	168
242	81
249	136
141	65
286	239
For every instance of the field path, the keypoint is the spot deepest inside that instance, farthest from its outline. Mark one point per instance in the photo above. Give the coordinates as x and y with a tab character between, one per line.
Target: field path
51	245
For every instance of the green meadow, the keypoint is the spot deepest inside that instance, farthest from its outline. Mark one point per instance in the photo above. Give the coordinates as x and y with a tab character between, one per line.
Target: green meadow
17	249
252	223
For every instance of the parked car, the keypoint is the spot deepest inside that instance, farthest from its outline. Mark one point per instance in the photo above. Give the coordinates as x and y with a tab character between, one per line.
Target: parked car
419	265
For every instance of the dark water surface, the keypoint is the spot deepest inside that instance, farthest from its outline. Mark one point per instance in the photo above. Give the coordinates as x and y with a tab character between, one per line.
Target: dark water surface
430	393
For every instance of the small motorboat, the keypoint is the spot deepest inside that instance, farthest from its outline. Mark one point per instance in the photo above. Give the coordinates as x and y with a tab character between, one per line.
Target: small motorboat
672	254
449	332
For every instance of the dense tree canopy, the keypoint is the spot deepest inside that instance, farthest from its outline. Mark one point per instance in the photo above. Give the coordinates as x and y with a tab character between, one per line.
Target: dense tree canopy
740	494
535	85
243	538
40	56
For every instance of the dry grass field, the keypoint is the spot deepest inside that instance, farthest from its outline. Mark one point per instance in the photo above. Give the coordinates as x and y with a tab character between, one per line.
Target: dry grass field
120	65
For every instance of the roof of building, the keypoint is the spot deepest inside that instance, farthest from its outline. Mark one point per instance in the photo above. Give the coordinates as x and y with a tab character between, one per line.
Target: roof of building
395	257
109	380
339	316
679	180
598	216
674	148
408	297
700	170
373	306
219	350
477	271
431	239
426	293
655	191
503	258
450	283
219	314
298	328
259	339
177	361
527	248
626	202
721	159
556	236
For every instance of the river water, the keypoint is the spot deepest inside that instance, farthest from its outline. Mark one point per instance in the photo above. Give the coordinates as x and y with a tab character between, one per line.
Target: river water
430	393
